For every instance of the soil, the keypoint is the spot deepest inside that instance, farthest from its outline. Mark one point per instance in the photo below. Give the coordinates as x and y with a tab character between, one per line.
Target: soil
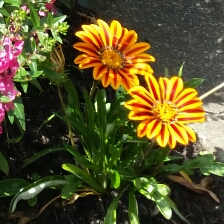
197	208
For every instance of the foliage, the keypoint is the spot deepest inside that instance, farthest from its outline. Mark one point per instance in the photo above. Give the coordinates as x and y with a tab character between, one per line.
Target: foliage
115	153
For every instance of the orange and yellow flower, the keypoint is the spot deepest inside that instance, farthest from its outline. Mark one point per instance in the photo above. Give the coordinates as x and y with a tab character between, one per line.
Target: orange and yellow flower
165	109
113	53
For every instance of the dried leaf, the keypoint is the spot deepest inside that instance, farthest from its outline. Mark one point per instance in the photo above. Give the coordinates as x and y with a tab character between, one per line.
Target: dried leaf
199	188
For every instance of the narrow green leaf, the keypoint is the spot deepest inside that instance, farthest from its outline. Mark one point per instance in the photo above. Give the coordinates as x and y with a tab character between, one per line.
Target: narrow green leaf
166	73
19	112
49	20
115	179
132	208
193	83
11	187
180	70
34	15
4	166
84	176
39	154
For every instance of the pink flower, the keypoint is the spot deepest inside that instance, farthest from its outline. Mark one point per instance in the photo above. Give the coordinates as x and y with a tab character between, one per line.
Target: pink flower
49	7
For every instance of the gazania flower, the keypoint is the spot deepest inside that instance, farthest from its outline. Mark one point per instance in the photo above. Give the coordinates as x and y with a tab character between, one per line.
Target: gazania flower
113	53
164	110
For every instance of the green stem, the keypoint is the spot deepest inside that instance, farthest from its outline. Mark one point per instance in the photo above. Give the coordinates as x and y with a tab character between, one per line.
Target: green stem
145	154
92	90
70	134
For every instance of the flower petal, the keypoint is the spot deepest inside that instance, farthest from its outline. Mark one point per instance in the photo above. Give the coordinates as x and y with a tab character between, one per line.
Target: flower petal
185	95
163	83
86	48
115	79
99	71
106	78
128	40
174	87
163	136
153	87
142	128
140	59
104	32
153	128
191	134
136	49
115	33
128	80
178	133
139	68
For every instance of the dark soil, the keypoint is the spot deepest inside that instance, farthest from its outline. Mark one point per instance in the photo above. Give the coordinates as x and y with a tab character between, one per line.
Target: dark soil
197	208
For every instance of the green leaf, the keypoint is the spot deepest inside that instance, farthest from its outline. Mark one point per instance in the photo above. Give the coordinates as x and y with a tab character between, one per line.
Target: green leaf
4	99
32	201
216	168
39	154
19	112
115	179
4	166
35	188
180	70
34	15
166	73
70	189
50	20
84	176
193	83
11	187
59	19
132	208
56	36
13	2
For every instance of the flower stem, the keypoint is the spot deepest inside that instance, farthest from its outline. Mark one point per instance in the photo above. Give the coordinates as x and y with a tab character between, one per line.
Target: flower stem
145	154
95	84
212	91
70	134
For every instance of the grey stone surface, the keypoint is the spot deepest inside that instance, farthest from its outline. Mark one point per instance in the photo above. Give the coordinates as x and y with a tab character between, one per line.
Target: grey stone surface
190	31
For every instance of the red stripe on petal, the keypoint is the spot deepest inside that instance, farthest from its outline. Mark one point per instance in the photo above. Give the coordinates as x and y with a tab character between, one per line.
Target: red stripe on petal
173	90
154	92
188	103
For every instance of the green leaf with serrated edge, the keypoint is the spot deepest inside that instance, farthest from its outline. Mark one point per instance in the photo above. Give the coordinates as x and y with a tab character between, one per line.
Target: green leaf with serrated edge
132	207
32	201
115	179
11	187
34	15
216	168
193	83
19	112
4	166
40	154
180	70
70	189
35	188
84	176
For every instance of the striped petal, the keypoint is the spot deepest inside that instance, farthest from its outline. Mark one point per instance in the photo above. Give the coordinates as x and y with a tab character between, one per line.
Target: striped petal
115	33
141	95
142	128
87	62
190	105
99	71
86	48
191	134
153	128
106	79
140	59
163	83
128	40
184	96
128	80
115	79
153	87
163	137
136	49
140	115
104	32
174	87
178	133
139	68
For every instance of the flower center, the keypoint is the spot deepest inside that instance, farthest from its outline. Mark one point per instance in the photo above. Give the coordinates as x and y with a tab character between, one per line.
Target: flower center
165	111
112	58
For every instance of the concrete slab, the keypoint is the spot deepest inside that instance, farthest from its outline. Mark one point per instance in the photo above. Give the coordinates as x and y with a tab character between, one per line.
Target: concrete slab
180	31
